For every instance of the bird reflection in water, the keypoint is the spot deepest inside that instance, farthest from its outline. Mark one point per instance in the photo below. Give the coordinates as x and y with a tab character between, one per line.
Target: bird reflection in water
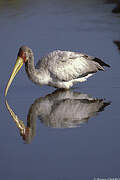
61	109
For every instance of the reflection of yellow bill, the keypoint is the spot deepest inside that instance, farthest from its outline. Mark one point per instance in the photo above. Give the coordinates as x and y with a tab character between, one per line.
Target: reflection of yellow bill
17	67
18	122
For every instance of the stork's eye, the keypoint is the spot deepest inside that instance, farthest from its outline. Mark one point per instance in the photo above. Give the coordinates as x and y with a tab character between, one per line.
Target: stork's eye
23	55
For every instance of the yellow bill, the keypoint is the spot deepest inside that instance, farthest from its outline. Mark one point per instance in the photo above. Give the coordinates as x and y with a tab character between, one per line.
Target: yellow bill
17	67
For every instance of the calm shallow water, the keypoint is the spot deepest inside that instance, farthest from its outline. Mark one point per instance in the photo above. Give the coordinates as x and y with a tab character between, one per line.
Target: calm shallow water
91	150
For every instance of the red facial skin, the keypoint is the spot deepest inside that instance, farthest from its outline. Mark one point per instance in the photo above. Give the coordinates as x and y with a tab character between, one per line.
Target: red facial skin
22	54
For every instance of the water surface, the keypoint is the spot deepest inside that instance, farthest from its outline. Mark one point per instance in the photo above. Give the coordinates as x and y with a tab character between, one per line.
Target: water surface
85	152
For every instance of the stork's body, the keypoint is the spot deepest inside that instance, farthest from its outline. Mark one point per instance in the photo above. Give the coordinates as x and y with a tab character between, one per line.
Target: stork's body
60	69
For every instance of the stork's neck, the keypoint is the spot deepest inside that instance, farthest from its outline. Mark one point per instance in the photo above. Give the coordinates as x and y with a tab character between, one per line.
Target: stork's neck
30	69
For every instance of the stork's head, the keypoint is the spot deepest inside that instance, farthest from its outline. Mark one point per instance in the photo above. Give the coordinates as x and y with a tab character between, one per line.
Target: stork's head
22	57
24	53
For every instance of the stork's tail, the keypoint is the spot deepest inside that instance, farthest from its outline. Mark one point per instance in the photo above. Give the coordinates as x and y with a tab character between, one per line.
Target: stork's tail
100	63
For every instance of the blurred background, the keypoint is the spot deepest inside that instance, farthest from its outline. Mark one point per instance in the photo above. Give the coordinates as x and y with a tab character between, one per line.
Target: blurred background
85	152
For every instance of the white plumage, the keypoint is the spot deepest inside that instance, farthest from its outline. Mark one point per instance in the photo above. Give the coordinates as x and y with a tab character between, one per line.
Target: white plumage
62	69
